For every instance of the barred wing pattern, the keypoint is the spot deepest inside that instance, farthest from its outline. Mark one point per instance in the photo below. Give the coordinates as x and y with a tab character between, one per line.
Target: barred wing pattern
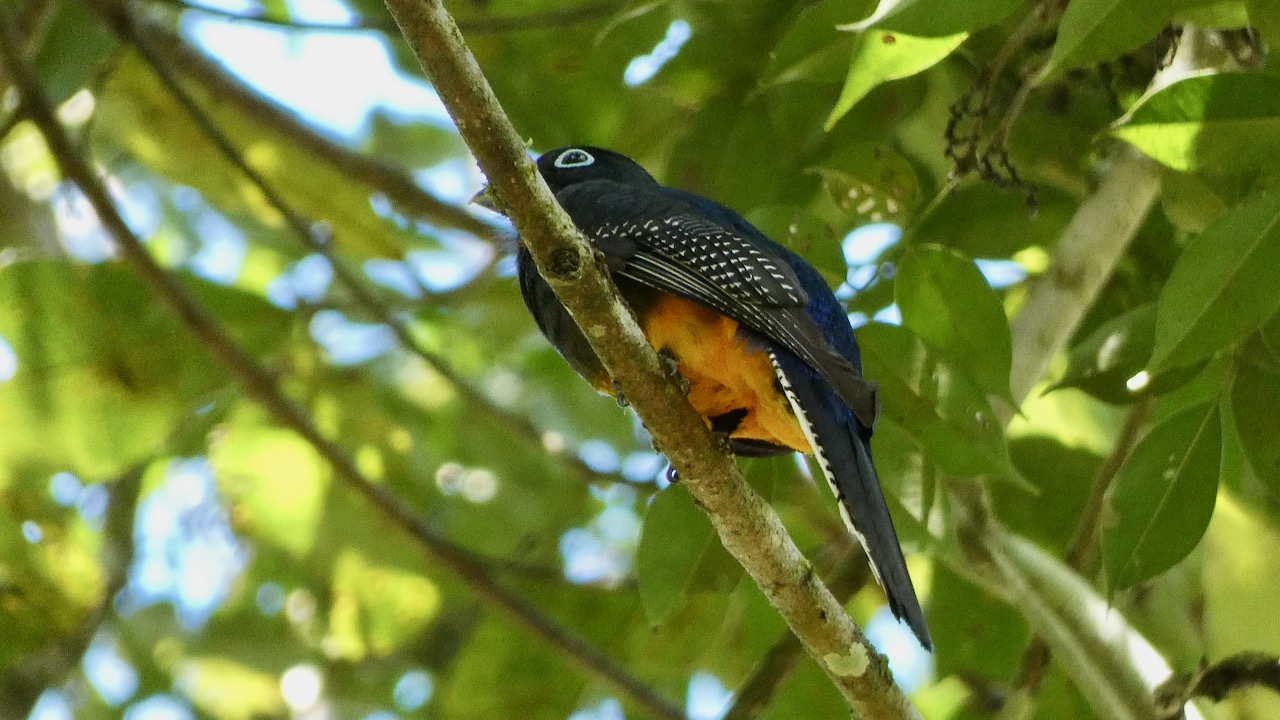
660	241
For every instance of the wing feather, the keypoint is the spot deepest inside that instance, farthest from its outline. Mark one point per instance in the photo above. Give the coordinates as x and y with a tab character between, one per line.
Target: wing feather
661	241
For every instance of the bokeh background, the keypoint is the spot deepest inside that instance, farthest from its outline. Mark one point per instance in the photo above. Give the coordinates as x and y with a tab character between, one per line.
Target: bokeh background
168	549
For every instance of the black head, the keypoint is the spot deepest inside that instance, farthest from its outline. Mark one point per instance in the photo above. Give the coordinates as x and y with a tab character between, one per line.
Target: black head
567	166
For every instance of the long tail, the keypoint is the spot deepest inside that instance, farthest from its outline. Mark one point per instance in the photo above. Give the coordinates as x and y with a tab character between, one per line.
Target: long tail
843	449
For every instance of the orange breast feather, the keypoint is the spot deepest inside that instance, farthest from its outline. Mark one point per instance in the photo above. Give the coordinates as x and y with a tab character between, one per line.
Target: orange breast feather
724	373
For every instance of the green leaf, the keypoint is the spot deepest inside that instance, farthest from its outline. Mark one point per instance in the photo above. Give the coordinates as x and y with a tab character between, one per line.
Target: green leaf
1189	201
377	607
411	145
1061	472
938	17
869	181
1255	405
882	56
1163	497
975	633
1107	364
812	49
1224	123
515	672
943	411
675	537
141	118
983	221
1111	355
945	299
1095	31
96	350
806	692
1215	15
250	462
1223	285
806	235
75	46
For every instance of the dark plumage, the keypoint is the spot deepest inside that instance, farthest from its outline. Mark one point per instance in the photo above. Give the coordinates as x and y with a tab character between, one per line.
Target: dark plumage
768	351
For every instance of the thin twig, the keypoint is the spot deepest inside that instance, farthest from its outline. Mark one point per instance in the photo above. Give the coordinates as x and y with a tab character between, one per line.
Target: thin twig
1240	671
261	386
311	236
1084	541
396	184
747	526
560	17
966	149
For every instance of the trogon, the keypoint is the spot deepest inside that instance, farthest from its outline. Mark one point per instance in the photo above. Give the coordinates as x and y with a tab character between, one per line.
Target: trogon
766	349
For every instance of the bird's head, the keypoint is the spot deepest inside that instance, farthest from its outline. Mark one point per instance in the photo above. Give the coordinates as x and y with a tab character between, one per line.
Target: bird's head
567	166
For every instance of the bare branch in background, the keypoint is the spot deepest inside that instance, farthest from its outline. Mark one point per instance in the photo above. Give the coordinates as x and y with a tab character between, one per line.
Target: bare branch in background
261	386
395	183
1084	541
1245	670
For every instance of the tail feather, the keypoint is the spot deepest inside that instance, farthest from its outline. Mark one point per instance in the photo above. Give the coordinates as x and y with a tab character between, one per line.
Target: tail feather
843	450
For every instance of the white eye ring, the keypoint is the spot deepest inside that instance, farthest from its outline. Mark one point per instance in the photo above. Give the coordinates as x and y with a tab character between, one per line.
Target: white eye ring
574	158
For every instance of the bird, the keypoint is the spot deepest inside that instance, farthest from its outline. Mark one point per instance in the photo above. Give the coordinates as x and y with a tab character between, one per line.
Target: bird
766	352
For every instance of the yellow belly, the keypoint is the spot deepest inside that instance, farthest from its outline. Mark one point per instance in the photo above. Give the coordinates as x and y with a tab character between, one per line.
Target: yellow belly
723	372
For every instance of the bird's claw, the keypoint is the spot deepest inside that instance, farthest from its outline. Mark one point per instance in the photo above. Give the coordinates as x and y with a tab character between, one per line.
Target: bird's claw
726	442
672	365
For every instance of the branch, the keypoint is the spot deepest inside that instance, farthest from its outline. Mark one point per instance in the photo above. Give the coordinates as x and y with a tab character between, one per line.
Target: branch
261	386
747	526
1247	669
126	26
1094	644
1084	542
1083	259
395	183
1047	593
852	573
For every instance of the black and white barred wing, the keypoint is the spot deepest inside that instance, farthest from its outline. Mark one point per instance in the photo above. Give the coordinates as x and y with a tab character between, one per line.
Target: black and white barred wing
657	239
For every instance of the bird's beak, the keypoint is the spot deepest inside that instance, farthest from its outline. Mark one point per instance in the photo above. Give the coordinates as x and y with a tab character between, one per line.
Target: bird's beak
485	200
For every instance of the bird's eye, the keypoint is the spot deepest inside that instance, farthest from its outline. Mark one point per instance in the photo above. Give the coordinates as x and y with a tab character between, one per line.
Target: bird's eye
574	158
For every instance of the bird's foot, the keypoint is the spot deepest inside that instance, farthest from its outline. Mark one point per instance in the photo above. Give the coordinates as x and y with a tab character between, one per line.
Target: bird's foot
726	442
672	365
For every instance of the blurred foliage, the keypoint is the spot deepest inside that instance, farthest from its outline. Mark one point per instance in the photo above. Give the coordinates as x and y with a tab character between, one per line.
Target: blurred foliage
254	584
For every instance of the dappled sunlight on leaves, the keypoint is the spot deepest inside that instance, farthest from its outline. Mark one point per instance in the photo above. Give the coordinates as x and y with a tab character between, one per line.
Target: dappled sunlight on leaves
246	579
